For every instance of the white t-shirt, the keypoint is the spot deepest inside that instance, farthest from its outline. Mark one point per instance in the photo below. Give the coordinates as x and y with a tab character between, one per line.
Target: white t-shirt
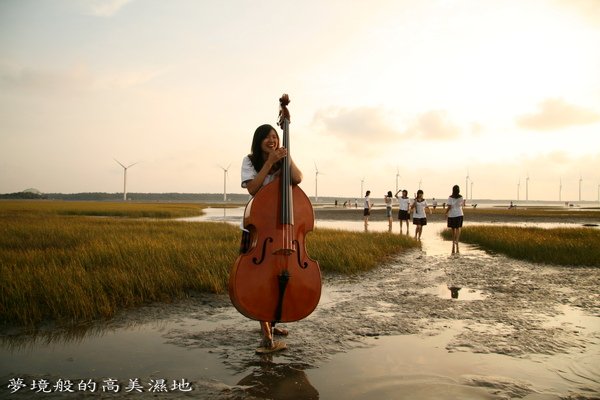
455	206
419	211
404	203
388	201
249	173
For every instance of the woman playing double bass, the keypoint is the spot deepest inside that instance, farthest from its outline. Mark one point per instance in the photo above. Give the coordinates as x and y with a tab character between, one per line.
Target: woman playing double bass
273	279
259	168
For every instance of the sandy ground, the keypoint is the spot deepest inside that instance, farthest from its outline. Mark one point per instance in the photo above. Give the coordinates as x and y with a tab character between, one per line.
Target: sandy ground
514	330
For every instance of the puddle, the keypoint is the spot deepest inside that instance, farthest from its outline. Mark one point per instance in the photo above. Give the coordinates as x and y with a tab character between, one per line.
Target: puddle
444	291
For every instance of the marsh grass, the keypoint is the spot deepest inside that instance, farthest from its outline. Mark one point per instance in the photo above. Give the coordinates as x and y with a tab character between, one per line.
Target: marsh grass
73	268
561	246
354	252
534	212
101	209
77	268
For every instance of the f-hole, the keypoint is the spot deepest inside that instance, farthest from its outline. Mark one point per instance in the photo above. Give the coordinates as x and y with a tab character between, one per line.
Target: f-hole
302	265
264	250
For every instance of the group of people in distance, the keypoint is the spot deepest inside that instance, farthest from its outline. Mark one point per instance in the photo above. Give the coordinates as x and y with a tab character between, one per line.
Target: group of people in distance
419	209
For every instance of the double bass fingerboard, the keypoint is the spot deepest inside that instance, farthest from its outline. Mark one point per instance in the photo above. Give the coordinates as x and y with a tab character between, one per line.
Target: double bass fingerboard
287	201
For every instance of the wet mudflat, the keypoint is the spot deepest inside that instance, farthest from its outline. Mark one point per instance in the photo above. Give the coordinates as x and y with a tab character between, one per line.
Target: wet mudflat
426	325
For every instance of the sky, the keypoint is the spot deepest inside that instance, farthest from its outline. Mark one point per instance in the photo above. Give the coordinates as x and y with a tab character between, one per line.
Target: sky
384	94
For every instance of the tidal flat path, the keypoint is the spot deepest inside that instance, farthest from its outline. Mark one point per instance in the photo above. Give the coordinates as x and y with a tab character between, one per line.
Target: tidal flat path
425	325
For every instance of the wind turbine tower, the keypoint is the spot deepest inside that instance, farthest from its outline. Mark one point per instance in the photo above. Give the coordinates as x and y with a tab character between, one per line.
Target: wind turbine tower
124	177
580	180
471	190
527	187
467	186
397	177
316	183
225	170
560	190
362	182
518	189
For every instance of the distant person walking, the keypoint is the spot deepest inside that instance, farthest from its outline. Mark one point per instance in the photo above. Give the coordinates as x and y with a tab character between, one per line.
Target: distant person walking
388	208
404	203
419	209
367	208
454	214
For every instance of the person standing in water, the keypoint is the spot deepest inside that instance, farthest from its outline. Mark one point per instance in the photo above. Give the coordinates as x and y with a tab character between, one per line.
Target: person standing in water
259	168
419	209
404	203
388	209
367	208
454	215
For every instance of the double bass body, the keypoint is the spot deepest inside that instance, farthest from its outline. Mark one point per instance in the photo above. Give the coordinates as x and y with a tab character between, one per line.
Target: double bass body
275	279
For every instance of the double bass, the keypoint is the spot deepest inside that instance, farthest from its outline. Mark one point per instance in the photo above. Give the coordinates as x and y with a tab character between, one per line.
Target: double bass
275	280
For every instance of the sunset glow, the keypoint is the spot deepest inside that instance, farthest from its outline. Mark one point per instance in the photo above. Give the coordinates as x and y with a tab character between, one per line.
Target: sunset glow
432	89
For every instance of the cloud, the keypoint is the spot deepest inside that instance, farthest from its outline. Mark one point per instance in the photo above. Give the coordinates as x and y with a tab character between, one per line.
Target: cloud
366	130
433	125
556	114
78	78
45	80
106	8
362	123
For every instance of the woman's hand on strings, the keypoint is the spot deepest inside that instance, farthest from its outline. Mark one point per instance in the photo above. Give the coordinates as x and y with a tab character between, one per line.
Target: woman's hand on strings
276	155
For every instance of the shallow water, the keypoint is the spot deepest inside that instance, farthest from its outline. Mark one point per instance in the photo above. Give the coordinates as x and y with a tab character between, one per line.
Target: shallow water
515	330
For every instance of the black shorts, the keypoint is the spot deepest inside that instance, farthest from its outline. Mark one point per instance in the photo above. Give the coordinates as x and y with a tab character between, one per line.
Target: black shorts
366	212
455	222
403	215
420	221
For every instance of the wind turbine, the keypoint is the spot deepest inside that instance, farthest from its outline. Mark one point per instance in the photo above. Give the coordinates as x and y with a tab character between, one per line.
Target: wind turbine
560	190
518	189
225	181
362	182
471	190
124	177
420	182
397	177
316	183
580	180
527	187
467	185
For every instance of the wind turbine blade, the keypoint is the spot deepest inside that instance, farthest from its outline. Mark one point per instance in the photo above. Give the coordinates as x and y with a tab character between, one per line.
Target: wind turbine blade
131	165
118	162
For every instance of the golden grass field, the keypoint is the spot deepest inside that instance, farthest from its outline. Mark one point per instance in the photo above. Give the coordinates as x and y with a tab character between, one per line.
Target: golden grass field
67	262
561	246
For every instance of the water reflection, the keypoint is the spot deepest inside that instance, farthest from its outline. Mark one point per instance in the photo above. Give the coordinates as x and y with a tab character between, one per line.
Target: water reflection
278	381
18	339
445	291
454	291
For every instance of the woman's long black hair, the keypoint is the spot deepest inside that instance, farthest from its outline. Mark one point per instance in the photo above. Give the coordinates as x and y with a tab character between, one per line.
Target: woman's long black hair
455	192
256	155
